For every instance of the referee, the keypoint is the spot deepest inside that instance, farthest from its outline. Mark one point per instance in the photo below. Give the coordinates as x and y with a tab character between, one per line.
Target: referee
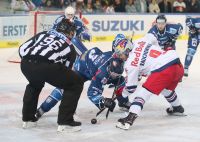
44	59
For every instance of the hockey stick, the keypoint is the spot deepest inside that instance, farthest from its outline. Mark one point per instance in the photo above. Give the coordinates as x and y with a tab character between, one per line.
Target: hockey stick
133	33
100	111
113	97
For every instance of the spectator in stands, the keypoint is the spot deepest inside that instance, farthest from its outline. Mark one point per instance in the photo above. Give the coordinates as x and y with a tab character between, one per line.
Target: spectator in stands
80	7
22	5
193	6
179	6
47	3
37	3
165	6
89	8
69	2
58	3
119	6
130	7
148	2
107	7
141	6
153	7
98	6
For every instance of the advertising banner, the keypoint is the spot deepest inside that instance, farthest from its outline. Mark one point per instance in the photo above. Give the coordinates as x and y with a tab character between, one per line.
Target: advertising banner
17	29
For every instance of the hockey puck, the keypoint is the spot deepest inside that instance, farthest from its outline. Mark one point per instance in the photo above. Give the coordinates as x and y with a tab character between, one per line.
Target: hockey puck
94	121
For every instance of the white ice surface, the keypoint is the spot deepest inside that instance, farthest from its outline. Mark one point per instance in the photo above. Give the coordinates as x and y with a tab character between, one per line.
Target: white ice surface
154	125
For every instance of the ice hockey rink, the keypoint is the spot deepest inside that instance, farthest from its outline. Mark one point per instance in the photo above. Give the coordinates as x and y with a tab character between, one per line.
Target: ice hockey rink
153	125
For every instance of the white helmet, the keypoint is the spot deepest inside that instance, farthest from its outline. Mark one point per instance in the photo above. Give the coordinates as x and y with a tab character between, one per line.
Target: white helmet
69	12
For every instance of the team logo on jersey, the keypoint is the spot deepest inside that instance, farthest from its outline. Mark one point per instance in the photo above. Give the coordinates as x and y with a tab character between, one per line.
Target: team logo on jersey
138	52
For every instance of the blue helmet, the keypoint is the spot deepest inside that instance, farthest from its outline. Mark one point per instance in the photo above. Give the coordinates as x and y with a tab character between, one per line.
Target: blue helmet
161	19
117	38
115	67
122	46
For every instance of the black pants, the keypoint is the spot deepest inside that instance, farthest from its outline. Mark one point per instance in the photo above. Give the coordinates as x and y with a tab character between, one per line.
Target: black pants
37	73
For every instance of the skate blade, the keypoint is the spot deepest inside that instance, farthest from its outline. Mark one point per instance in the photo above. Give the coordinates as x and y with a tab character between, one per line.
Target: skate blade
26	125
68	129
177	114
122	126
123	109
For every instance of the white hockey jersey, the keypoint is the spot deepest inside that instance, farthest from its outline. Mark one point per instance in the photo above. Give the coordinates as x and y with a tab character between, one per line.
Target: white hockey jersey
147	57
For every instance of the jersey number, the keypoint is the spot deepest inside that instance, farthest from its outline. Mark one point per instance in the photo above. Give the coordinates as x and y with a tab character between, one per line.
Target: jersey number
154	53
92	55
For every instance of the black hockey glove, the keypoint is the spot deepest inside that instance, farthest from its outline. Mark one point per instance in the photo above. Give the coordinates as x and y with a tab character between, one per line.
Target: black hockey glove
169	45
192	30
109	103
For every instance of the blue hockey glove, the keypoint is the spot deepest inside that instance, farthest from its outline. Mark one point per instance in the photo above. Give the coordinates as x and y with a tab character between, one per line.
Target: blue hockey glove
85	36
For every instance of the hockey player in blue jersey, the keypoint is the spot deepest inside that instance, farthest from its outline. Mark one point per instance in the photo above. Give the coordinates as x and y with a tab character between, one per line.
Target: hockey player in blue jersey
102	69
165	33
194	38
81	31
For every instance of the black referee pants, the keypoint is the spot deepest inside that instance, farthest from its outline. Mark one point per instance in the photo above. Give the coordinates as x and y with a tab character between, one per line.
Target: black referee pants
37	73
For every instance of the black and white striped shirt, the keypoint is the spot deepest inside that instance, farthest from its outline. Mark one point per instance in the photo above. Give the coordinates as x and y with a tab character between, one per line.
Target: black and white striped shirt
51	46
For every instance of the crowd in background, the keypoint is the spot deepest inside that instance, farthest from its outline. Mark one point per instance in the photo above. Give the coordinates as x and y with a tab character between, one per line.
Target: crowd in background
110	6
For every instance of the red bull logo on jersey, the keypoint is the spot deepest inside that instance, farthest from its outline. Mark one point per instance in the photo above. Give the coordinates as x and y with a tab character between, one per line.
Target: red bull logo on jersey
138	51
145	54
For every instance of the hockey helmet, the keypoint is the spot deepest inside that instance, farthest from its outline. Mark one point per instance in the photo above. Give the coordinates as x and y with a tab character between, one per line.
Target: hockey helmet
69	12
67	28
115	67
117	38
161	19
122	46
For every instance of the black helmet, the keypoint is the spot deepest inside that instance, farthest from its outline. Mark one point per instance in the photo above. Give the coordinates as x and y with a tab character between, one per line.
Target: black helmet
161	18
116	67
66	27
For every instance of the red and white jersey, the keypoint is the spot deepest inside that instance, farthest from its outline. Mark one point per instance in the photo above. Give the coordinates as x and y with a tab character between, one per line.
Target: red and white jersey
145	58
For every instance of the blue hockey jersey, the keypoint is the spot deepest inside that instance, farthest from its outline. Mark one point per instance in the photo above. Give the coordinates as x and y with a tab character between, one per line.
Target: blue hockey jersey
169	36
93	66
193	23
81	30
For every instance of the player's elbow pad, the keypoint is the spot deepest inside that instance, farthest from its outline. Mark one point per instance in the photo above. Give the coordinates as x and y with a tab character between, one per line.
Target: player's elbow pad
152	39
128	90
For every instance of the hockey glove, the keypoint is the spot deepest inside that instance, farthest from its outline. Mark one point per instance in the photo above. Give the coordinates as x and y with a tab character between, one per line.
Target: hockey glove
192	30
109	103
85	36
169	45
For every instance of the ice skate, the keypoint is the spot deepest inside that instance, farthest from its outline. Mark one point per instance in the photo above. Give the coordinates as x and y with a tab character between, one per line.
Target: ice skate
124	106
125	123
176	111
29	124
39	113
73	126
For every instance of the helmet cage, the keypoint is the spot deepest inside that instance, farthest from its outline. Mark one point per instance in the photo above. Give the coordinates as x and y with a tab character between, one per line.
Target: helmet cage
115	68
123	46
